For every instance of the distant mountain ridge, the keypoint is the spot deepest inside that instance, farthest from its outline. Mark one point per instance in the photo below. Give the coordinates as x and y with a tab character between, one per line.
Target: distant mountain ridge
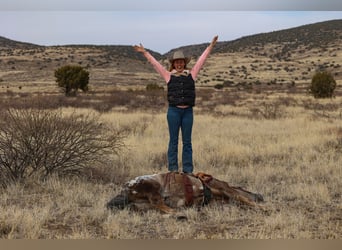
12	44
280	58
316	34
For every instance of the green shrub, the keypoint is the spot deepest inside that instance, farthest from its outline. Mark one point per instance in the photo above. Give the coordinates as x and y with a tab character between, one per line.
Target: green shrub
322	85
218	86
153	86
71	78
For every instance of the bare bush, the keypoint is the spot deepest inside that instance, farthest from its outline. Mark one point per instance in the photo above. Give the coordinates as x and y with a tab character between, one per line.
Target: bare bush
35	142
268	111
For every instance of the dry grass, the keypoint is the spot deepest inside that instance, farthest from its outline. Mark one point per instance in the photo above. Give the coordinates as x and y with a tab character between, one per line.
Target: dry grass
260	132
293	159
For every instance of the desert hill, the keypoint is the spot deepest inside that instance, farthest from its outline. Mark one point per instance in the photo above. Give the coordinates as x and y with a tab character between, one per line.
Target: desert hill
311	35
283	59
6	43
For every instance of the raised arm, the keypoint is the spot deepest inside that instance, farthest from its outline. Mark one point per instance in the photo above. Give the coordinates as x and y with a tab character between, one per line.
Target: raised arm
200	62
156	65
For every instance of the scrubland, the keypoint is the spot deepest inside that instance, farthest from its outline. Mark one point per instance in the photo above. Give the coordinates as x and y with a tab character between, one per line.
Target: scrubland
285	146
255	127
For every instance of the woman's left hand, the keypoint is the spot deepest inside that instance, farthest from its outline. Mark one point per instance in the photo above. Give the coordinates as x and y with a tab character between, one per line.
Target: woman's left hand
139	48
213	42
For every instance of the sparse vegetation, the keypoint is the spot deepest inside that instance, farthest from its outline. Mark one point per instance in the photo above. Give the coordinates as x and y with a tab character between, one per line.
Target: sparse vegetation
261	131
281	158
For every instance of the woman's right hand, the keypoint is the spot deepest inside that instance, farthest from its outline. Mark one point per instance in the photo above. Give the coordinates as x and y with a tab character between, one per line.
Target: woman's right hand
139	48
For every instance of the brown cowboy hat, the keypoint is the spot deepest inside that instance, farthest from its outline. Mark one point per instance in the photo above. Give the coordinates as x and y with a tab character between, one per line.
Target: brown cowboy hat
179	55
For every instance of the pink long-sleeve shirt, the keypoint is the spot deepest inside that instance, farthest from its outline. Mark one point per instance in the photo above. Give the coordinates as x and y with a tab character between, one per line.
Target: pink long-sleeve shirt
167	74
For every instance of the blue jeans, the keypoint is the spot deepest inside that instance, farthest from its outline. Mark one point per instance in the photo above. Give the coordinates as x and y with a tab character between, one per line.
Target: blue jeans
179	118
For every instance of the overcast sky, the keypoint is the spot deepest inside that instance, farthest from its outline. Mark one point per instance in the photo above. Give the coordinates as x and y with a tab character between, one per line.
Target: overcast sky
206	5
155	25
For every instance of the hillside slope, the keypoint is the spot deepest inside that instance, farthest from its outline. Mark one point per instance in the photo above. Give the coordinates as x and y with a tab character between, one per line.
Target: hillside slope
286	58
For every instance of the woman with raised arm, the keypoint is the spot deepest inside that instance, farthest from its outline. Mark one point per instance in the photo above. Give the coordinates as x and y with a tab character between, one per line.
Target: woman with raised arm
181	98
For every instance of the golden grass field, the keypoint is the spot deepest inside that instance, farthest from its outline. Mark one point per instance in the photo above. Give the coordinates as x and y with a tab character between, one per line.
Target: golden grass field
285	146
262	131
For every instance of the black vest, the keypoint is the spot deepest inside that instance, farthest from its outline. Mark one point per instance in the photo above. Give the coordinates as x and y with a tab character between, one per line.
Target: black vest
181	90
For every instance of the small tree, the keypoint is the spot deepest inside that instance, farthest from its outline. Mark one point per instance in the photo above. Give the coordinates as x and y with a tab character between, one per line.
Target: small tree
322	85
71	78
